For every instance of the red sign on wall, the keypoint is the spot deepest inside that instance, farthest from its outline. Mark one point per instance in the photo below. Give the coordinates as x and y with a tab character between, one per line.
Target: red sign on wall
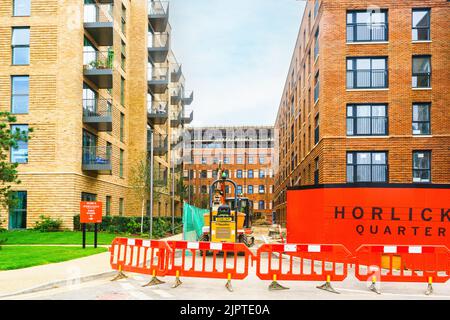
90	212
353	216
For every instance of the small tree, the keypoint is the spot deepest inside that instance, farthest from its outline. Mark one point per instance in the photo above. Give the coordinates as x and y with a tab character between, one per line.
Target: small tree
140	182
8	171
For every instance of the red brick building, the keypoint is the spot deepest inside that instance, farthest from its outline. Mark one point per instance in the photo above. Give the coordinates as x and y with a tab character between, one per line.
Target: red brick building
366	100
246	153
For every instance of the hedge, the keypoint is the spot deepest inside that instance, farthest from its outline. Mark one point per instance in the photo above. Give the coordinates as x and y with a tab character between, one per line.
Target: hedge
132	225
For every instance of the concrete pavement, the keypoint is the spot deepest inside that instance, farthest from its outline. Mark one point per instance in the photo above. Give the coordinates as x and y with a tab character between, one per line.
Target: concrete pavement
58	274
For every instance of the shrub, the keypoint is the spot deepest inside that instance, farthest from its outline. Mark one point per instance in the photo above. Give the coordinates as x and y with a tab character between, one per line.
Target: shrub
47	224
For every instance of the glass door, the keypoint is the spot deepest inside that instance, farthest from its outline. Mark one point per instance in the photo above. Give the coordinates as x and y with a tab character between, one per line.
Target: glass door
18	211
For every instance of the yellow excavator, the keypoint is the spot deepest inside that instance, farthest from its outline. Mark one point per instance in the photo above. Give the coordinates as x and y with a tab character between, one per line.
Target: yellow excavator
229	219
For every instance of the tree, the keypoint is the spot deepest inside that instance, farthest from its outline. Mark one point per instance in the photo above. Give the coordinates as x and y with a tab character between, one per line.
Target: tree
9	139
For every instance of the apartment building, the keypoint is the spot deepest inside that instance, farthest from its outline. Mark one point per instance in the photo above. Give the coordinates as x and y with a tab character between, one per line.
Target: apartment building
365	100
82	74
246	155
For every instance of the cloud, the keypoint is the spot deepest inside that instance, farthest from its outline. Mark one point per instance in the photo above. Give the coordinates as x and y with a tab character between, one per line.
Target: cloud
235	56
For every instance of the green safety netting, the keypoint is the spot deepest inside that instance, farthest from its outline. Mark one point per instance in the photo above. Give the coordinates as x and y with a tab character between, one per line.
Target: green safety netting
192	222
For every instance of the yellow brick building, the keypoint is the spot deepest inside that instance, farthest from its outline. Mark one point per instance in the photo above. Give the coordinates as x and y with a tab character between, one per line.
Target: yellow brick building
89	76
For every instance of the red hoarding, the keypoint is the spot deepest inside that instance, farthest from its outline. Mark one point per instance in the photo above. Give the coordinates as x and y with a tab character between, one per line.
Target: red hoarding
90	212
352	216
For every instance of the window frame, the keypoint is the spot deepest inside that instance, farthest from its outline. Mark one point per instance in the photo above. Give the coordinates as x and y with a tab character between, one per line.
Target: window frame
354	26
354	72
421	28
428	104
21	15
12	128
15	46
354	166
354	119
20	95
422	73
429	152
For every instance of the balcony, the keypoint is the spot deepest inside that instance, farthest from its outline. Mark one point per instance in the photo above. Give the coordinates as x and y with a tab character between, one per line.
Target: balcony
175	140
176	119
188	97
160	144
188	116
158	80
98	67
158	47
98	22
175	96
158	15
98	113
97	158
157	112
175	73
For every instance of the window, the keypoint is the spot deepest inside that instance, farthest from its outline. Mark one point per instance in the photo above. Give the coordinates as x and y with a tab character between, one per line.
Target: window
250	189
250	173
316	171
215	160
123	20
421	72
367	26
421	119
203	174
108	205
239	189
316	8
421	25
239	174
239	160
122	124
20	87
251	160
226	160
18	211
122	91
121	164
367	120
316	87
20	46
316	129
422	166
262	159
20	153
121	207
261	174
204	189
21	8
261	205
86	196
367	167
316	45
203	160
261	188
364	73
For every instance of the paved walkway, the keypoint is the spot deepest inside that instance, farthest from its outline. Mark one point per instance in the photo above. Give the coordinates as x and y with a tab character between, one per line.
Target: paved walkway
14	281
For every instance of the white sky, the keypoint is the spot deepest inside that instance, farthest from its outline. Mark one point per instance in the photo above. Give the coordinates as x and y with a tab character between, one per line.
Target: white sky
235	55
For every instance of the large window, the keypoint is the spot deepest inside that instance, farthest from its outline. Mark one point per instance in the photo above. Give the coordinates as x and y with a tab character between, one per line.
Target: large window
250	189
19	154
367	167
239	189
261	174
21	7
422	166
364	26
18	210
20	46
367	120
363	73
121	207
121	163
108	205
86	196
261	205
122	126
316	129
261	188
20	88
250	173
239	174
316	87
421	25
421	119
421	72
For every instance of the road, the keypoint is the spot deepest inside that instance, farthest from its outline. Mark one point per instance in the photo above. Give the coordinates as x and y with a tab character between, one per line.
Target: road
251	288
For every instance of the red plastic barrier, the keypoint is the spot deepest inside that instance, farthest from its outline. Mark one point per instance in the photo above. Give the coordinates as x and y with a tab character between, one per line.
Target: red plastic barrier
302	262
140	256
403	263
209	260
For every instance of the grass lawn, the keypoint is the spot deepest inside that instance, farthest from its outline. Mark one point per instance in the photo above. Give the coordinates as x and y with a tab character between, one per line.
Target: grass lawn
23	257
63	237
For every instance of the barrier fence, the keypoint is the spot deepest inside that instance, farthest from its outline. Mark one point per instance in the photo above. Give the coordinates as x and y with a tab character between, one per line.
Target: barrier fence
288	262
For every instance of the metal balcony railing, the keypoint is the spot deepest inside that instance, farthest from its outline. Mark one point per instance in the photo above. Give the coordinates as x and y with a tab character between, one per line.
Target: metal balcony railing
99	107
188	115
175	72
158	8
367	32
97	158
160	40
175	96
158	74
97	12
362	79
157	108
98	59
188	97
